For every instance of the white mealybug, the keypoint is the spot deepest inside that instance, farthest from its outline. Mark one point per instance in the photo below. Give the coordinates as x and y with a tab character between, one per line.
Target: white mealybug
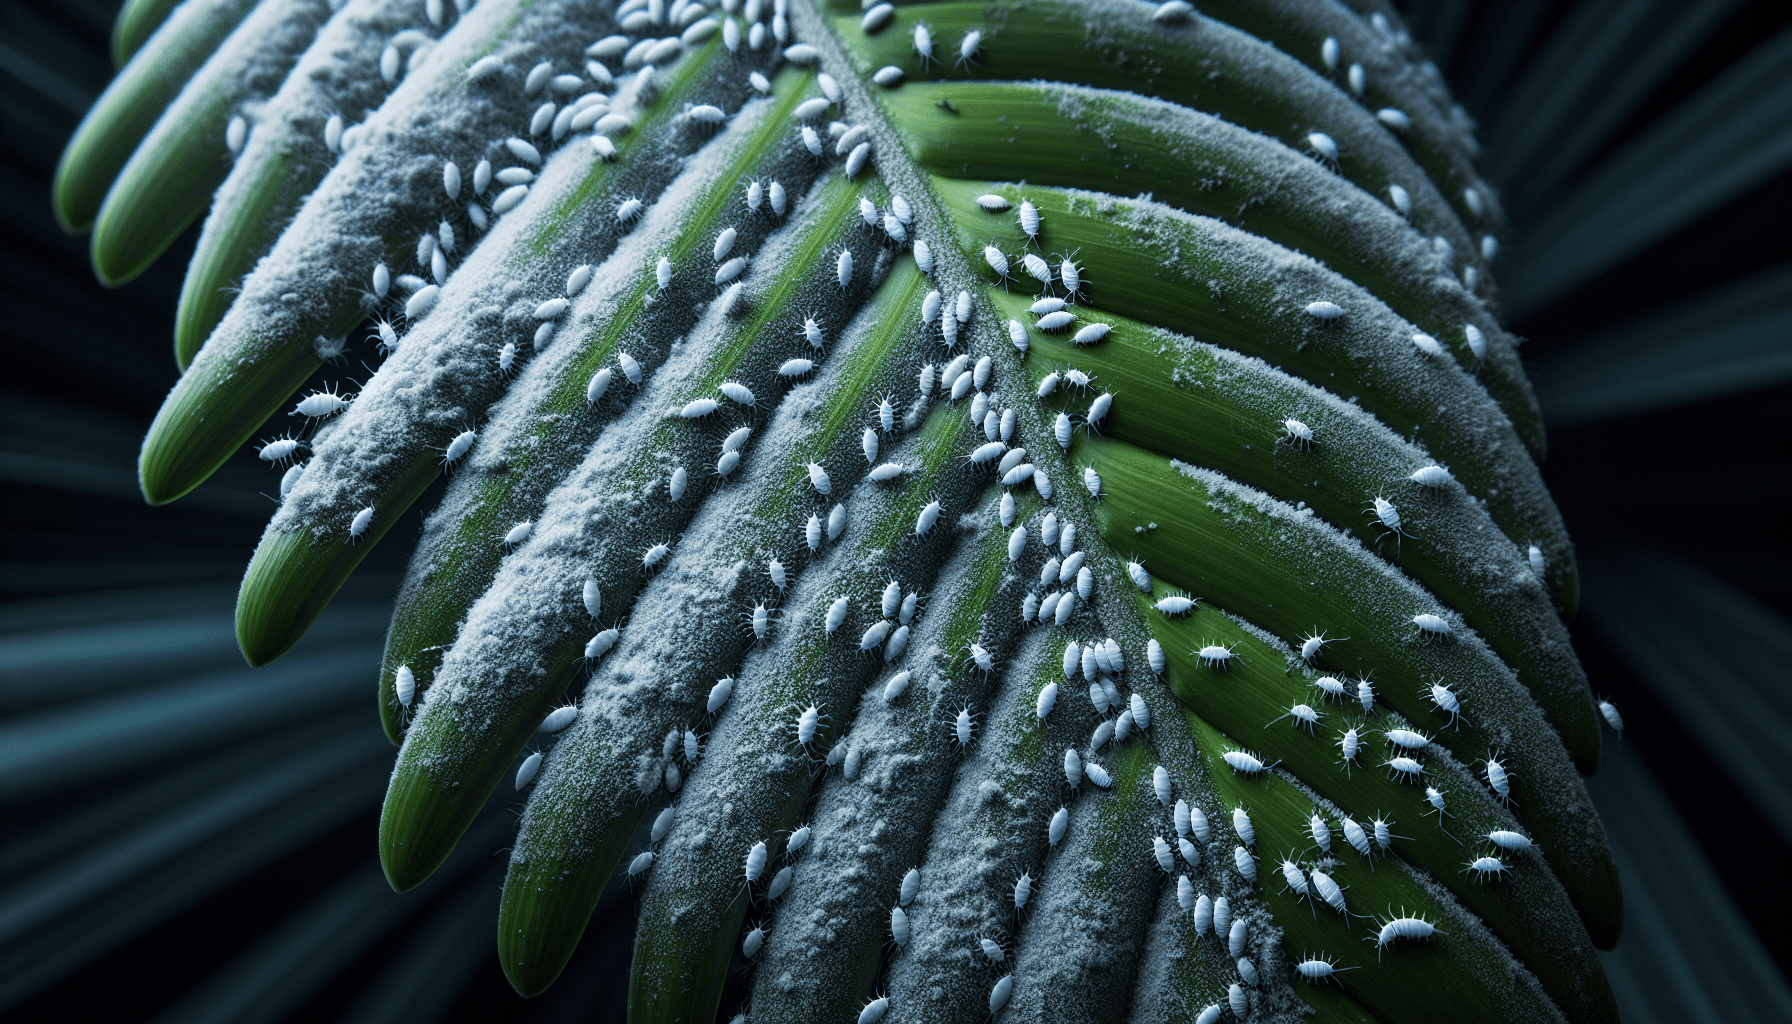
719	694
911	884
1477	342
898	926
1498	779
1244	763
1056	320
898	641
518	533
359	524
404	686
1023	891
1216	656
1073	767
1507	840
1203	916
1428	345
855	161
1358	81
1365	694
1294	878
1482	867
1054	832
1303	715
1092	481
1222	917
1071	276
1237	936
1036	268
1098	775
807	721
836	614
1394	118
642	862
1241	824
1166	860
897	685
1092	333
967	51
600	645
1175	604
992	203
997	261
1315	969
629	209
1329	891
930	514
1154	655
1394	929
558	719
1324	311
655	555
1320	831
1609	712
1349	745
1160	784
843	268
1445	700
796	367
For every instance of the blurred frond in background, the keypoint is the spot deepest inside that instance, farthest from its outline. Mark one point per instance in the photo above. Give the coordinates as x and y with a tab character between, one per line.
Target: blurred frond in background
189	839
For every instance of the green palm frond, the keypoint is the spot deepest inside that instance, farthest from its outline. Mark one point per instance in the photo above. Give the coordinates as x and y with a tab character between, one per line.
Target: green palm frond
1285	255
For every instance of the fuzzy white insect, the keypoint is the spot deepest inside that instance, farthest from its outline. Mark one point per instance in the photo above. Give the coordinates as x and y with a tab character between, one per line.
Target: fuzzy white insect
1396	929
1037	268
898	641
1482	867
1428	345
867	209
641	863
1241	824
1054	832
1324	311
1071	276
999	994
1023	891
279	450
1498	779
1215	656
1222	916
1098	775
600	645
1104	731
1174	605
753	943
1508	840
1056	321
359	524
856	160
1609	711
404	686
1303	716
655	555
1238	936
1166	859
968	47
728	461
558	719
1141	712
1048	607
518	534
1203	914
807	721
1173	12
930	514
923	43
719	694
1357	79
1092	481
1383	832
1246	764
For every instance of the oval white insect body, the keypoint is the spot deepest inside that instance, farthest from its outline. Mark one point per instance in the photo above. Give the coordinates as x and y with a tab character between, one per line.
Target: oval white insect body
1485	866
1498	779
774	194
930	514
1432	623
1055	831
719	694
1103	733
1222	917
1324	310
1073	767
1175	604
1056	321
992	950
1507	840
1092	333
1203	915
911	884
1236	937
1609	712
836	614
1244	763
753	943
728	461
1048	698
1098	775
600	645
875	635
642	862
1023	891
1398	928
898	926
525	772
559	718
1355	835
1427	344
1161	850
1092	481
1324	146
999	994
997	261
519	533
1037	268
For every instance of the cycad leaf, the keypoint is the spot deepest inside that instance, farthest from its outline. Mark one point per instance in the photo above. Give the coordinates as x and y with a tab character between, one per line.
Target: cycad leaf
703	401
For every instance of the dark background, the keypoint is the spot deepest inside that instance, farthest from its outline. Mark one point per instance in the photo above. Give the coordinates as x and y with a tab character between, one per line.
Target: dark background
1678	500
